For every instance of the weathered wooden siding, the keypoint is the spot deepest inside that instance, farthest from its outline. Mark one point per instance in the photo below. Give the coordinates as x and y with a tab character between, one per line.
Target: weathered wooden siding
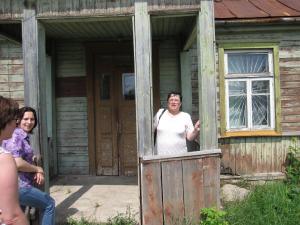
70	59
197	181
289	55
106	7
11	71
10	9
254	155
169	65
72	134
71	112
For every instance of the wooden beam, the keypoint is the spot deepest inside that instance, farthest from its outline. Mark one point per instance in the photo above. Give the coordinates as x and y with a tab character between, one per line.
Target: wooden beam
8	37
143	75
207	76
186	85
191	39
34	59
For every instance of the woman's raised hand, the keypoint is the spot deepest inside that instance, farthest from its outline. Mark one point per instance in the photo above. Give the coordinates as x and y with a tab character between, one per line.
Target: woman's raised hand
197	125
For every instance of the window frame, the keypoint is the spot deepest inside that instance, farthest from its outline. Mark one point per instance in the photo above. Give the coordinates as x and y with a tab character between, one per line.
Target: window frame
272	76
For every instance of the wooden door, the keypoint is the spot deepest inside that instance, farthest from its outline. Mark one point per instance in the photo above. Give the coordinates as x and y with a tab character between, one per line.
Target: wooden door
115	127
127	123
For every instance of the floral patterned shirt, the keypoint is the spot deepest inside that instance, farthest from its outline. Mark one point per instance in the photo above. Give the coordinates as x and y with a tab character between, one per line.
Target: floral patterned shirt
19	147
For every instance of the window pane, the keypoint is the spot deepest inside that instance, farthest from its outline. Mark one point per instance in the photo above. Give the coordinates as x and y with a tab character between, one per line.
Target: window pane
237	87
261	87
261	110
128	86
105	87
247	63
237	91
237	111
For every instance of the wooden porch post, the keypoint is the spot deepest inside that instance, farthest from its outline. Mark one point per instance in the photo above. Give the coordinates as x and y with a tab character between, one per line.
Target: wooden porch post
207	76
34	60
143	78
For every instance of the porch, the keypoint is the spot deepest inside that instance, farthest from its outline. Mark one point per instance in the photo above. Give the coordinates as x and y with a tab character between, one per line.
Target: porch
95	198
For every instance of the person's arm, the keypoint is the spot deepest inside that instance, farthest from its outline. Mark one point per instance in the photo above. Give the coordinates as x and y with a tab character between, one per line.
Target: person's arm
194	133
24	166
11	212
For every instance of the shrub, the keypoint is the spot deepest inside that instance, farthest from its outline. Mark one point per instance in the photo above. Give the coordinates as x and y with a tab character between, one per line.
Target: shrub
212	216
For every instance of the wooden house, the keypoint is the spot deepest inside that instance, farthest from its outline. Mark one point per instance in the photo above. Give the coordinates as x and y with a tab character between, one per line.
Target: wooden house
97	71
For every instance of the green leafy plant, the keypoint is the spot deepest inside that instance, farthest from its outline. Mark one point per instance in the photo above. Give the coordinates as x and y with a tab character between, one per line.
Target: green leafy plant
293	170
293	164
213	216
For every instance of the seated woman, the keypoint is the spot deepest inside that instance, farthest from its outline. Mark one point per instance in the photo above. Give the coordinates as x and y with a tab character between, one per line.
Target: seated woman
173	127
10	211
29	174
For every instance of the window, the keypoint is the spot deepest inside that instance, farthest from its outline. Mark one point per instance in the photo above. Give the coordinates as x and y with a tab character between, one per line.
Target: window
248	76
128	86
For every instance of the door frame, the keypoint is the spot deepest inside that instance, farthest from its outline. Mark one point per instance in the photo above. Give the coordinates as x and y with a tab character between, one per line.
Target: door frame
93	49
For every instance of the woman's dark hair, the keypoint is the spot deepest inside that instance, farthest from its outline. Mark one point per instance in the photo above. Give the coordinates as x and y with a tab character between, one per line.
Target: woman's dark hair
25	109
8	111
176	94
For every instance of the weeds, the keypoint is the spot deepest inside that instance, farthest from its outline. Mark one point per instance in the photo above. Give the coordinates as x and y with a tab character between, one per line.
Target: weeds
123	219
267	204
293	164
82	221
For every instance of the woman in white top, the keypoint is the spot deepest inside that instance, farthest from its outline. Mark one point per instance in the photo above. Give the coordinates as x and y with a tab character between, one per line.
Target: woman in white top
10	211
173	127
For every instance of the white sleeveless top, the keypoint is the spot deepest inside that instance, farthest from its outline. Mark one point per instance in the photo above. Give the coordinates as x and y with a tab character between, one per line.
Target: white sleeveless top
171	132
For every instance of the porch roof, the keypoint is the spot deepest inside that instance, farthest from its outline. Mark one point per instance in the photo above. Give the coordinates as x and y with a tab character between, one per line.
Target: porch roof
255	9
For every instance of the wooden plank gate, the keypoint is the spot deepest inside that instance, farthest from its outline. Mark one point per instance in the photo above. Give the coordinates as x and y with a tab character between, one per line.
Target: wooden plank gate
174	189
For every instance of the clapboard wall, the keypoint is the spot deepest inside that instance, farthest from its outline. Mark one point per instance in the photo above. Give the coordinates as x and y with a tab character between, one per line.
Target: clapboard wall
71	111
11	71
169	66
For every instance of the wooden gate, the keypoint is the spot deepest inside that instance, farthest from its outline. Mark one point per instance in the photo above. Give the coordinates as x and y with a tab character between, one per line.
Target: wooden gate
176	188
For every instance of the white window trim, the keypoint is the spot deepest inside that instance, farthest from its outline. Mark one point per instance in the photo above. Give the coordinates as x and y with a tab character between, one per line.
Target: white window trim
248	78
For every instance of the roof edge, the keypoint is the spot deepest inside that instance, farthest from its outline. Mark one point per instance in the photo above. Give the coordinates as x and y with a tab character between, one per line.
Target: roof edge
278	20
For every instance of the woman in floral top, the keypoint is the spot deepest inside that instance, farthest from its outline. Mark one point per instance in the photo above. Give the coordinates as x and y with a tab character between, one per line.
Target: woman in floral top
10	211
29	174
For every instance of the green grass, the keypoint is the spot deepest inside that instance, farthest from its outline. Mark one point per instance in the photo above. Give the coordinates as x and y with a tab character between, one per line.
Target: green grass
127	218
269	204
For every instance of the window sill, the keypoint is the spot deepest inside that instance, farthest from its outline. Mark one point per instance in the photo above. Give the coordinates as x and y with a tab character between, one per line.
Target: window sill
255	133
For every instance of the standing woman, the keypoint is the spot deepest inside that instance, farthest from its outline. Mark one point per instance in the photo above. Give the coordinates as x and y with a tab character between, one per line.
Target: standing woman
29	174
174	127
10	211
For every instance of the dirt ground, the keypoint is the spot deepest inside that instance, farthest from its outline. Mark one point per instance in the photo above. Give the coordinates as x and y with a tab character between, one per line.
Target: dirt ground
93	197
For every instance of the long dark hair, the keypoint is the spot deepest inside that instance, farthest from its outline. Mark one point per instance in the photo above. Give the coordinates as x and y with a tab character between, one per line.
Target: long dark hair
21	113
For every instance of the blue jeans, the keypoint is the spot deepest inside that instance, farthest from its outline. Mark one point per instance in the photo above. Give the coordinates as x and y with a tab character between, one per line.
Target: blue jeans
34	197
